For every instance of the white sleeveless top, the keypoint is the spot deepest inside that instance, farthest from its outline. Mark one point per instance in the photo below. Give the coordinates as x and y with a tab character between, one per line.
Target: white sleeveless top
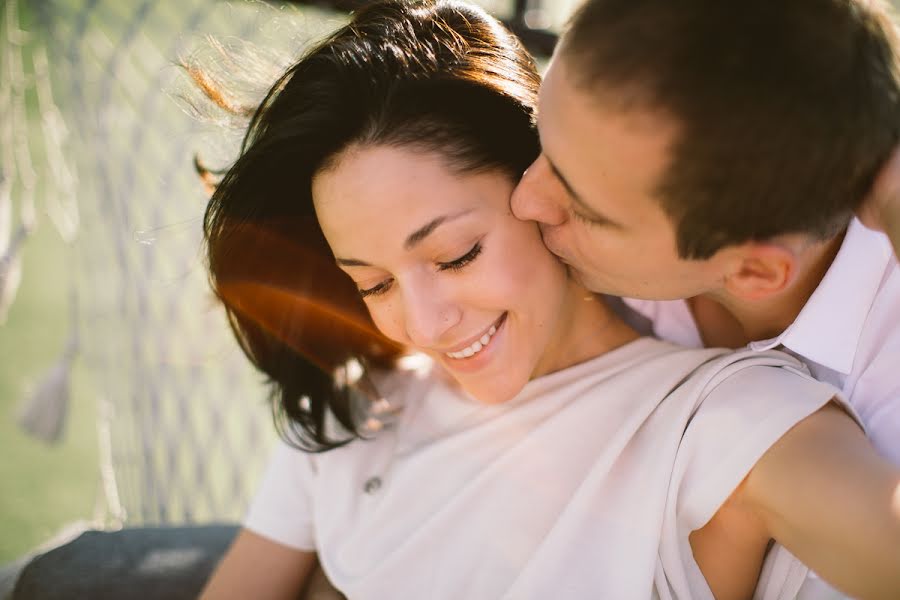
585	485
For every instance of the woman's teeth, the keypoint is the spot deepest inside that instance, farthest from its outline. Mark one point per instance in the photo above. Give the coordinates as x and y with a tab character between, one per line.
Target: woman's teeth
476	347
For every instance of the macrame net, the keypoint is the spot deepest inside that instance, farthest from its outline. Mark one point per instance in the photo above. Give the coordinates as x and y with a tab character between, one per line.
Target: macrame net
95	139
95	142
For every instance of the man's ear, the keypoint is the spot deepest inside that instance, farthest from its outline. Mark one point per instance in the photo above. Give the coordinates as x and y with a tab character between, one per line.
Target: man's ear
760	270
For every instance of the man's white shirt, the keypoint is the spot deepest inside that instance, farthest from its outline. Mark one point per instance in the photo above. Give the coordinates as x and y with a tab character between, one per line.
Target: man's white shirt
848	333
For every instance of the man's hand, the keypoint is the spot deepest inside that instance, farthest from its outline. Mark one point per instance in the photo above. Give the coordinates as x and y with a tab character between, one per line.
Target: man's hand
881	208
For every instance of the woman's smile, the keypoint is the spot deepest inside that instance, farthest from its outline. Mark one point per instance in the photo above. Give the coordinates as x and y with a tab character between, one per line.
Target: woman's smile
481	342
445	268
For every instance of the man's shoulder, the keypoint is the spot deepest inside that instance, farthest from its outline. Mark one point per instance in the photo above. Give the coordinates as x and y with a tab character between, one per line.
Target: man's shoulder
669	320
854	314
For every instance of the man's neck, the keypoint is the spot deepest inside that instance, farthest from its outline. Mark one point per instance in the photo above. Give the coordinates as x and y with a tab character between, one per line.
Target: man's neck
726	320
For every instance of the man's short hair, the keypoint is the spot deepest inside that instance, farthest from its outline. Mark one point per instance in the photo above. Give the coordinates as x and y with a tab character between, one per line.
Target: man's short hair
786	108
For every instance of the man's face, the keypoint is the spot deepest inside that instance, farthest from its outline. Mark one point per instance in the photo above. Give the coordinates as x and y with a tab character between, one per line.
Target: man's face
592	190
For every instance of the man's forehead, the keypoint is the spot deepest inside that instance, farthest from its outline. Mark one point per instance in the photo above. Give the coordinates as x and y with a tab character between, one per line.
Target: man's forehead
547	93
565	89
600	117
561	84
606	158
554	119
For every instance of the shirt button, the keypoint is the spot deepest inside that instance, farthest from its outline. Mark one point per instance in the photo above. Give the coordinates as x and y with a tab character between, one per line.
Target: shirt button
372	485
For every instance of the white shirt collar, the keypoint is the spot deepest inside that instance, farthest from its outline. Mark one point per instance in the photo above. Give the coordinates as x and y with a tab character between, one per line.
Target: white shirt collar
840	304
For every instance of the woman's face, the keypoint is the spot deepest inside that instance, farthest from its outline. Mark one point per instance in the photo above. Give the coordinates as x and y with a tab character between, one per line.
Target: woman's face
444	266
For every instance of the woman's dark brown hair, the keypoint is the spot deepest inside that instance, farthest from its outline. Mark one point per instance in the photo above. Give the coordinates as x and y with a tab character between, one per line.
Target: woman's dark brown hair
443	77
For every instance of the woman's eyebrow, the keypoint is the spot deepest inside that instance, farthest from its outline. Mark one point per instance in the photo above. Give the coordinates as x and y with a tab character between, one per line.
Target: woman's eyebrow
412	240
351	262
423	232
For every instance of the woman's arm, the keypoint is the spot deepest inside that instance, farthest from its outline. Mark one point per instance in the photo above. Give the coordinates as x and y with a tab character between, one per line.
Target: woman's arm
824	494
256	567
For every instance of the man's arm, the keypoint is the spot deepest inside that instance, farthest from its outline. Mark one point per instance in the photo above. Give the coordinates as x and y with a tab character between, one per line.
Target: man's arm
825	494
256	567
881	208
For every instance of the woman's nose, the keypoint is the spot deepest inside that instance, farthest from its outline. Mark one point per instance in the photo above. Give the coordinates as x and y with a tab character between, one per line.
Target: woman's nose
429	313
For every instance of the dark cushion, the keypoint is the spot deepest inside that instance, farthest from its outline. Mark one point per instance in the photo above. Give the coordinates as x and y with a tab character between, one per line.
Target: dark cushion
146	563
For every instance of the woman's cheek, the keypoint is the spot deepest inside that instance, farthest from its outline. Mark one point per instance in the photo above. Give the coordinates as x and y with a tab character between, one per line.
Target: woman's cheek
387	319
532	264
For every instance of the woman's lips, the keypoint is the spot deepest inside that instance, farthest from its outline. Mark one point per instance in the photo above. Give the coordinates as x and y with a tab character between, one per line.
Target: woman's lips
476	346
478	353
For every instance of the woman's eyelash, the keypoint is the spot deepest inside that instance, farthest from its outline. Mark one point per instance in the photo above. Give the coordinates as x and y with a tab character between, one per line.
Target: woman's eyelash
462	261
453	265
377	289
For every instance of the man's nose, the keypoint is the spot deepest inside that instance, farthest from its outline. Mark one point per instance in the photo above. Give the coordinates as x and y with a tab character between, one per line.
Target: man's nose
539	196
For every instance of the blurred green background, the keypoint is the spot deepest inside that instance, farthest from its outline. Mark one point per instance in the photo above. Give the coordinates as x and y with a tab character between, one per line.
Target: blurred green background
48	487
44	486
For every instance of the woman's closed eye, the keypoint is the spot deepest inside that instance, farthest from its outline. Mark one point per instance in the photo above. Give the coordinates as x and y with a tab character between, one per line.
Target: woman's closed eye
377	289
453	265
462	261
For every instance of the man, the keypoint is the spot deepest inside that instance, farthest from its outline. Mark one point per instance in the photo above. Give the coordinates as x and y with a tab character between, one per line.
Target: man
717	151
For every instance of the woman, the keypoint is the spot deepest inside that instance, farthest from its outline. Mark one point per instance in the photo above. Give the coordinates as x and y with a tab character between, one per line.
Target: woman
547	450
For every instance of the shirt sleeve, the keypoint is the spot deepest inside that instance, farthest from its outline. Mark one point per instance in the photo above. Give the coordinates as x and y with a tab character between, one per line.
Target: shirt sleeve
740	418
877	398
282	508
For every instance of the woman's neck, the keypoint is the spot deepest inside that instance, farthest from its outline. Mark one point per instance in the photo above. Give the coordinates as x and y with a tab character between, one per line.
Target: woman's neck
587	328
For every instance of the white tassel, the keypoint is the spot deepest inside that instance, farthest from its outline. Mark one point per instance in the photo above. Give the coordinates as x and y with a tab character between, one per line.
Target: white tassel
44	413
10	278
11	271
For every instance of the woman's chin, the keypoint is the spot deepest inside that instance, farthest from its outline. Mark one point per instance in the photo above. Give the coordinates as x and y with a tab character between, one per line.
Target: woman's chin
490	395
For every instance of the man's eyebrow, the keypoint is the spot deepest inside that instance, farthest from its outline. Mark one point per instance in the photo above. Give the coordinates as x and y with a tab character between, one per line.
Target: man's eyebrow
577	198
414	238
564	182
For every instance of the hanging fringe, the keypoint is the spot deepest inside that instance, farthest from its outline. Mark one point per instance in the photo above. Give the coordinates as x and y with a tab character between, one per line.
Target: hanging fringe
43	415
11	272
